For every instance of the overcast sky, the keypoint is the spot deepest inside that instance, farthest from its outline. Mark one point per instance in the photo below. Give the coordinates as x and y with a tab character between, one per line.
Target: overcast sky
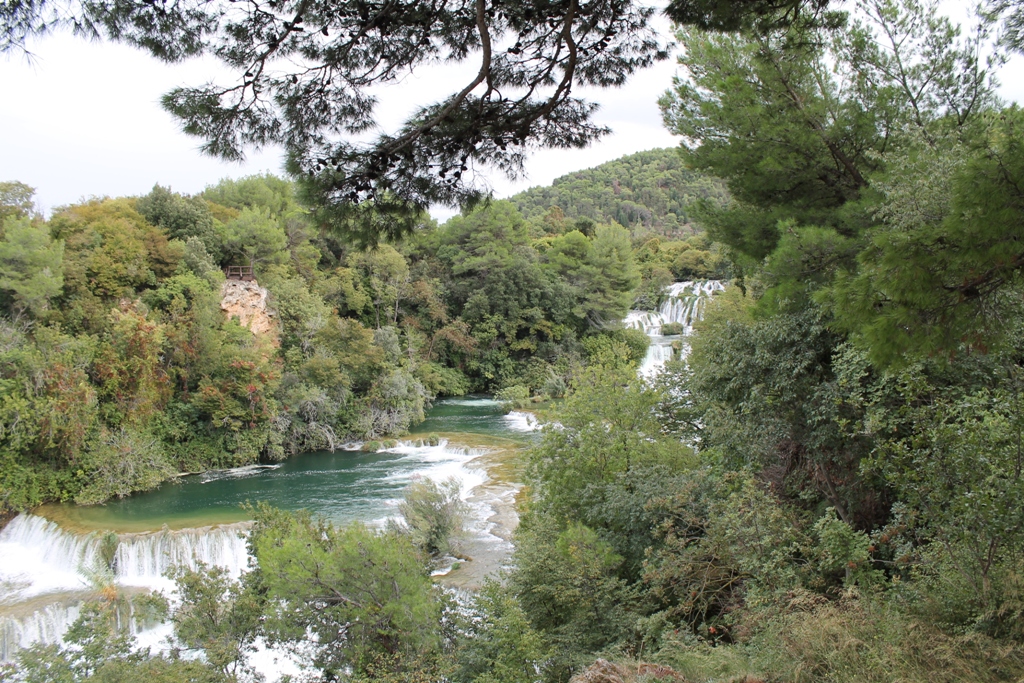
83	119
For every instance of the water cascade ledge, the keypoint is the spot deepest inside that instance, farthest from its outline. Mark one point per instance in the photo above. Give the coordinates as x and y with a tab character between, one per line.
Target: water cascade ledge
684	304
38	558
44	568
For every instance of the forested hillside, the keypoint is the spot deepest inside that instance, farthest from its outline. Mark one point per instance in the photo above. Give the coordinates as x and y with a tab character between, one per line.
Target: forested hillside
653	190
119	368
828	488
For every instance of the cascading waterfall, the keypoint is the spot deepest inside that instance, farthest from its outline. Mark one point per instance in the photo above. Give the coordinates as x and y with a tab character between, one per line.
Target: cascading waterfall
143	559
39	560
46	625
45	570
684	304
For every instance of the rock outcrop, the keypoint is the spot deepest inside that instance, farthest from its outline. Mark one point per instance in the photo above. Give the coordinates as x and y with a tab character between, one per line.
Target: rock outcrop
247	301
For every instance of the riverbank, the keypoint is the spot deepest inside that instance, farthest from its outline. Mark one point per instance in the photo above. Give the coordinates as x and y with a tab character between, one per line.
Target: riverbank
487	545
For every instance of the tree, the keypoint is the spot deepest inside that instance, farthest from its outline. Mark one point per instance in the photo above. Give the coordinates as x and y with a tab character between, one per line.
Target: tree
609	426
942	273
217	616
434	515
386	276
31	265
123	462
501	645
255	236
15	200
544	53
816	108
99	649
182	217
898	103
364	595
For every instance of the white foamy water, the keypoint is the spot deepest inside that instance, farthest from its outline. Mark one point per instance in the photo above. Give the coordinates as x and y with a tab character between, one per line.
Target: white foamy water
46	626
439	463
236	472
522	422
39	560
37	557
684	304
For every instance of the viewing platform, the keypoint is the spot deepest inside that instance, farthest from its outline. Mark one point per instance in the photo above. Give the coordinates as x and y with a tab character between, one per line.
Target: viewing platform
243	273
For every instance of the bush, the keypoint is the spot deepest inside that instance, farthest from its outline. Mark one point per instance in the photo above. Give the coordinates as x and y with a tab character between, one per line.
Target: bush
511	398
672	328
434	515
555	386
123	462
855	640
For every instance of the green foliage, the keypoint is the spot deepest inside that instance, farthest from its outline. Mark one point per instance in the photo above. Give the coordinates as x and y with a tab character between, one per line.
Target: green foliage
255	237
624	348
942	273
393	403
566	583
859	639
500	646
880	147
959	466
199	261
182	218
649	191
219	617
608	427
364	595
121	463
110	252
434	515
15	200
769	397
514	397
98	649
31	269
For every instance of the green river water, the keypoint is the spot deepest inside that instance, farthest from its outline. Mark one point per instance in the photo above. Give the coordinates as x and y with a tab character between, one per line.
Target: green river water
340	485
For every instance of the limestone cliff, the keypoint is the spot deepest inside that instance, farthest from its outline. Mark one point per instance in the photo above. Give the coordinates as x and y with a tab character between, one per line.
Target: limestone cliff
247	301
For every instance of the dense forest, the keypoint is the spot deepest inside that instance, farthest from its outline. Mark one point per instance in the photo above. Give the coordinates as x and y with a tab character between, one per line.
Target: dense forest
652	190
829	487
120	369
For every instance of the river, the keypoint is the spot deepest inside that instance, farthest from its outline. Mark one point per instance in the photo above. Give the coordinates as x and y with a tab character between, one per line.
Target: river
45	557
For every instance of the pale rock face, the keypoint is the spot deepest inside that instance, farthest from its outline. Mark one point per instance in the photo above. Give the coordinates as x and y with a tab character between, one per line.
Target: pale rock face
247	301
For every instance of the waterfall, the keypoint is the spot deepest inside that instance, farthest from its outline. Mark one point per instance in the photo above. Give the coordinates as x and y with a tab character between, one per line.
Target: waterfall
41	561
45	626
684	304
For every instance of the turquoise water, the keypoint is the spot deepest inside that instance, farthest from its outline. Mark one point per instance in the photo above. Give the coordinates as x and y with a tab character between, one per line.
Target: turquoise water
341	486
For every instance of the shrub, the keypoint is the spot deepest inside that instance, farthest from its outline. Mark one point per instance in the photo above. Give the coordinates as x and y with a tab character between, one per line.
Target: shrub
434	515
513	397
855	640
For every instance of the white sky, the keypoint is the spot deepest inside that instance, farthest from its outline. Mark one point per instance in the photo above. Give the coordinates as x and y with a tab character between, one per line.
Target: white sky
83	119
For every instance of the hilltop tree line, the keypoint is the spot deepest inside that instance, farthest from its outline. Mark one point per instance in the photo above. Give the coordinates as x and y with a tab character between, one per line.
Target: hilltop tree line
650	190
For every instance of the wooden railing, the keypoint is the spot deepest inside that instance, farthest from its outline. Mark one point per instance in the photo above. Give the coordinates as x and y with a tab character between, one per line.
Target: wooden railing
239	273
